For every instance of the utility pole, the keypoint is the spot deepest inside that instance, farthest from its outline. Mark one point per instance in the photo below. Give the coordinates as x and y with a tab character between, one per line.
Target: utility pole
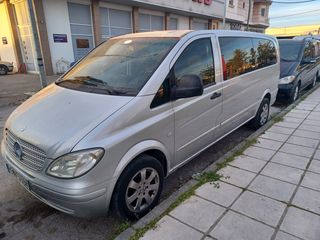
249	14
224	15
34	27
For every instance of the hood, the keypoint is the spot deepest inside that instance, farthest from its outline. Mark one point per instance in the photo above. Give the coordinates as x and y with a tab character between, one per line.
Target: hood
6	63
56	119
287	68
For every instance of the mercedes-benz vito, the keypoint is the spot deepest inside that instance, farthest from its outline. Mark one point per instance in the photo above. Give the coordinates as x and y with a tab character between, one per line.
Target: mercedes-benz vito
134	110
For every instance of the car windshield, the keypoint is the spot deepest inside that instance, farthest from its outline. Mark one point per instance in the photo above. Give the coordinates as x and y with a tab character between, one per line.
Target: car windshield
119	66
290	50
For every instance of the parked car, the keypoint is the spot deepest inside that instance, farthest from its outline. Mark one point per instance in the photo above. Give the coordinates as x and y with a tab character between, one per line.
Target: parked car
133	111
300	66
5	67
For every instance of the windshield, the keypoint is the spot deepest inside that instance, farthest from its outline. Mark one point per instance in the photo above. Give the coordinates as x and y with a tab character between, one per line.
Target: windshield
118	66
290	50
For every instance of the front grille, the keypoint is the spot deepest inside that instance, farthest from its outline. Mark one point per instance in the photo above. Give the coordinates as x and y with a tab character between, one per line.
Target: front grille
32	156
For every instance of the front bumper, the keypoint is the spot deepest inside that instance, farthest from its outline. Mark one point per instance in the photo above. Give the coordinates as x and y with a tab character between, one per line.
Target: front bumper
284	90
81	202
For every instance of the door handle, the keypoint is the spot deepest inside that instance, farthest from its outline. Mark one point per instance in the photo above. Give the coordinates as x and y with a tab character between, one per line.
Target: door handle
215	95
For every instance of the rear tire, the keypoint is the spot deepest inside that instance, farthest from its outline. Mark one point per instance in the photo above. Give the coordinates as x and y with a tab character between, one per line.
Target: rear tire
138	188
262	115
313	83
3	70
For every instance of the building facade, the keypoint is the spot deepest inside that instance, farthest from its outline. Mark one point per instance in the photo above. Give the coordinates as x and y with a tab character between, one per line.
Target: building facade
69	29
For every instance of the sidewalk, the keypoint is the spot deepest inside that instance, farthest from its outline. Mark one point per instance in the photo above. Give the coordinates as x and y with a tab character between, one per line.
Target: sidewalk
272	191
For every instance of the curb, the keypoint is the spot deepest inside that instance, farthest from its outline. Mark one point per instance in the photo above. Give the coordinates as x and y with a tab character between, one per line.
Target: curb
162	207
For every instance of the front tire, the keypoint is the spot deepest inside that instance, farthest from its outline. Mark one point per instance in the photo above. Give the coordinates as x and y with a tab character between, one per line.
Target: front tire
294	94
138	188
262	115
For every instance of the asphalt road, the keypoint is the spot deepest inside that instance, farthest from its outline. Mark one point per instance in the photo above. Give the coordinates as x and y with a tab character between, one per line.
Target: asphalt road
24	217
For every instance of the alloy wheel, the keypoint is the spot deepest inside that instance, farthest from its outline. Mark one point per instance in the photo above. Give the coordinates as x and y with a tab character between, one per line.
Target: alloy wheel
264	114
142	189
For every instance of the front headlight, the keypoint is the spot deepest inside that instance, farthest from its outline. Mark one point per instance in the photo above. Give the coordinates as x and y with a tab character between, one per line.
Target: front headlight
75	164
287	80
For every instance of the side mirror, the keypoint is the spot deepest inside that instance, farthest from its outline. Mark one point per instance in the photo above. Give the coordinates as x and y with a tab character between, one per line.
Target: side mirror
189	86
308	61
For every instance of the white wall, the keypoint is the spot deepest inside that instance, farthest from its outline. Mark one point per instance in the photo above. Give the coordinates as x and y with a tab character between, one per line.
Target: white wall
215	9
6	51
57	19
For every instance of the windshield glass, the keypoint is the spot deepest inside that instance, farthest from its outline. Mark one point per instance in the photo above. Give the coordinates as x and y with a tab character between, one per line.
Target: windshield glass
290	50
118	66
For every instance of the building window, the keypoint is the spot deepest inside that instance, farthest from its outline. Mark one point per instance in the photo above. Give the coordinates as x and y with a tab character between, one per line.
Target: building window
199	25
173	25
244	5
114	22
151	23
231	3
81	29
263	12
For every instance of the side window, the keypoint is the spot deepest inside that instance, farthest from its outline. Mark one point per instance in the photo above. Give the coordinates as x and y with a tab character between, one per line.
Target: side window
308	51
163	94
237	56
265	53
196	59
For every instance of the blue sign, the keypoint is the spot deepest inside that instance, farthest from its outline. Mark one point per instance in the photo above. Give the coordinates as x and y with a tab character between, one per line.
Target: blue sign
60	38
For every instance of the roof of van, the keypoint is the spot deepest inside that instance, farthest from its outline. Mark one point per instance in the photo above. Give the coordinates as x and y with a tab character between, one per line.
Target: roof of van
181	33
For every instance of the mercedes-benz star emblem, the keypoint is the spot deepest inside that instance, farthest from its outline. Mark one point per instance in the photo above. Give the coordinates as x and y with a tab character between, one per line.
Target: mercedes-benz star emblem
17	150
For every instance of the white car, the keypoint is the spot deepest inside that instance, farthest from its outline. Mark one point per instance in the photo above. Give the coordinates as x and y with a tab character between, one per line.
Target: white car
5	67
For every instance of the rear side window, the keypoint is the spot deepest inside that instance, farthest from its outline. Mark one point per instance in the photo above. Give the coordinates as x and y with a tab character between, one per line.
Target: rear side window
241	55
237	55
265	53
196	59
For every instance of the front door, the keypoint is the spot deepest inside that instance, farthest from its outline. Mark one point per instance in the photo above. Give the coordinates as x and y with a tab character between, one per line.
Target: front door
195	118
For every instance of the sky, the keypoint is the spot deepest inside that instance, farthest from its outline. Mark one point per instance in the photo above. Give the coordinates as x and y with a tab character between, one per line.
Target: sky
277	11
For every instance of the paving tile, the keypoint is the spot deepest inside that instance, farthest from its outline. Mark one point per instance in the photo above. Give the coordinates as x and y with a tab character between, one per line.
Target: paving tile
311	128
307	134
169	228
296	115
313	117
297	150
282	130
272	188
314	166
260	153
285	236
312	122
291	119
307	199
290	160
248	163
307	142
275	136
269	144
259	207
236	226
307	107
284	173
302	224
311	180
198	213
236	176
317	155
220	192
287	124
300	112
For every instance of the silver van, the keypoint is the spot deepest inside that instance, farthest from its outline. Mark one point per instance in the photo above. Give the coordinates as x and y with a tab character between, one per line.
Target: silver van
135	109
